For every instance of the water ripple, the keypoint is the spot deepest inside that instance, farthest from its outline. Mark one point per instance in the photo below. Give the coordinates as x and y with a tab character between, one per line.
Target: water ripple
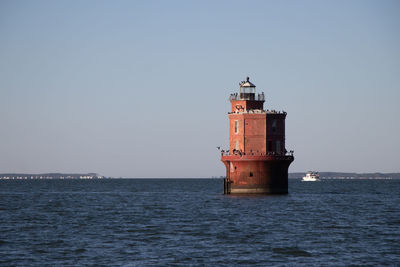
189	223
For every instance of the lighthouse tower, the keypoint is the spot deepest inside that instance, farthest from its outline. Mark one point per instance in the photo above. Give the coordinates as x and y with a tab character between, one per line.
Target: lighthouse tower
257	161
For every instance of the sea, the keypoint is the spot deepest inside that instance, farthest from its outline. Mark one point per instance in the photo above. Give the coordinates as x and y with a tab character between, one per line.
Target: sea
189	222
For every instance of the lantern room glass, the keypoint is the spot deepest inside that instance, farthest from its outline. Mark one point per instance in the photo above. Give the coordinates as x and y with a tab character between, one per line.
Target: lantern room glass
247	93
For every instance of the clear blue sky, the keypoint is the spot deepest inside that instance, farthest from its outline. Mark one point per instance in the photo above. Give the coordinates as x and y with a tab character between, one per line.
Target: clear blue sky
140	88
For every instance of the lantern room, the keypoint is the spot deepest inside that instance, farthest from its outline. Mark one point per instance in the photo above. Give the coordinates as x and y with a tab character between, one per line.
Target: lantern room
247	90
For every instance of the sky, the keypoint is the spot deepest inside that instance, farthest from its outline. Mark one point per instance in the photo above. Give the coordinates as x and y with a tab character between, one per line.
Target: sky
140	88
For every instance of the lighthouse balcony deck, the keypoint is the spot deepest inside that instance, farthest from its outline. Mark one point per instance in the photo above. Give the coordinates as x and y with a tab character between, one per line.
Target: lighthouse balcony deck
258	111
269	156
247	96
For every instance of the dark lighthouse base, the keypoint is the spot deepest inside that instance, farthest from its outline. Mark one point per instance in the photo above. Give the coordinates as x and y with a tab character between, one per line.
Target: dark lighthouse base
249	174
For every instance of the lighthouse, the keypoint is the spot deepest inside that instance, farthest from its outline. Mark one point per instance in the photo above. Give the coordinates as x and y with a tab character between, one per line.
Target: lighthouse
257	160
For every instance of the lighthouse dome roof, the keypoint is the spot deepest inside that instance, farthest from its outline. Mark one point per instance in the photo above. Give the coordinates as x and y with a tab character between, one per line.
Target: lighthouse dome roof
247	83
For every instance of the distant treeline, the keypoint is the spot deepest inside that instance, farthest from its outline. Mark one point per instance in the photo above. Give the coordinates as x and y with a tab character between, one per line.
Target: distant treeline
13	176
344	175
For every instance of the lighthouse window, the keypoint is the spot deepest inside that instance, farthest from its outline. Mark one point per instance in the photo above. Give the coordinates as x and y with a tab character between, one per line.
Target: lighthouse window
278	146
236	126
274	126
251	174
237	145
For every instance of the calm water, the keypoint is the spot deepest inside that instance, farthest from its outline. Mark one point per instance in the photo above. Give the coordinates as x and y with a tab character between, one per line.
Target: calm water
138	222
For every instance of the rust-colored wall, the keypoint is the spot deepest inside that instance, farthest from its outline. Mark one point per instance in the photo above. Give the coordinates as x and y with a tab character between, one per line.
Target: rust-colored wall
258	176
255	133
255	130
239	136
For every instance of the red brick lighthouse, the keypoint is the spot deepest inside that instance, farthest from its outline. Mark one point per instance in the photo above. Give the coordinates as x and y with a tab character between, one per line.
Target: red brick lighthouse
257	161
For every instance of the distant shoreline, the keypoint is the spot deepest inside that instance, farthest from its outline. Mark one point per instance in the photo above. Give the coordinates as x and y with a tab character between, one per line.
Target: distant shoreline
85	176
49	176
350	175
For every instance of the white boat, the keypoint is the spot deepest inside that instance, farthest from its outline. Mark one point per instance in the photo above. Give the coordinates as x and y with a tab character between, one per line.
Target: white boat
311	177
